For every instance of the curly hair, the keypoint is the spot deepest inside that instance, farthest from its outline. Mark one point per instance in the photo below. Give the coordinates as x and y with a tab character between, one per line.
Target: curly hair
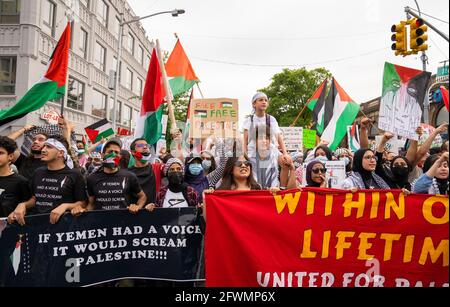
8	144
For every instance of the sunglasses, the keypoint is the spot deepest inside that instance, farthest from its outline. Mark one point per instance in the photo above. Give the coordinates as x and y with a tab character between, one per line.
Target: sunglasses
141	145
242	163
319	170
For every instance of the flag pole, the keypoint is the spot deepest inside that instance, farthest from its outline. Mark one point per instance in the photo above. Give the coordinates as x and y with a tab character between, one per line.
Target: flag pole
298	116
66	90
169	97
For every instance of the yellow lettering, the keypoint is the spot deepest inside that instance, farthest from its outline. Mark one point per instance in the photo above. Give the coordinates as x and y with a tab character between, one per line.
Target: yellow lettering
375	203
310	203
364	245
291	201
341	243
428	212
409	244
349	204
306	251
389	238
328	204
399	208
428	249
326	244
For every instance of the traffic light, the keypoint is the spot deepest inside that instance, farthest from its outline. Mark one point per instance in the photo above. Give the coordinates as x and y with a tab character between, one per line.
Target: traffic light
417	35
399	37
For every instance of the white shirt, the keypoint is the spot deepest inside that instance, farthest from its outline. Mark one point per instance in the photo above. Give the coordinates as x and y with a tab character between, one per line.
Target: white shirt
174	200
274	132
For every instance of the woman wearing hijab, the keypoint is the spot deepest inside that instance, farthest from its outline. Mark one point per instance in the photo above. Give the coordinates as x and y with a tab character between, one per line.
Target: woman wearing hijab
315	174
397	177
435	179
363	176
178	193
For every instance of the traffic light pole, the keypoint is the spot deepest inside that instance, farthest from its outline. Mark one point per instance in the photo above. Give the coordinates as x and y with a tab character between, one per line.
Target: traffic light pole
409	11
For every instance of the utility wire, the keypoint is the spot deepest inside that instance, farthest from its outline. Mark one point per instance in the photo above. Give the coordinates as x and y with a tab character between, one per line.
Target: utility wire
289	65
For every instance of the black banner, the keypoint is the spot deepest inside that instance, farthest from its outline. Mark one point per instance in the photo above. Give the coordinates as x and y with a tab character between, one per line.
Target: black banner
101	246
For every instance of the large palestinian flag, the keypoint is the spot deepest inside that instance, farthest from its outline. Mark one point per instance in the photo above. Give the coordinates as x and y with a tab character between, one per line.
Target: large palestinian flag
50	87
340	112
401	105
99	130
149	124
179	67
316	105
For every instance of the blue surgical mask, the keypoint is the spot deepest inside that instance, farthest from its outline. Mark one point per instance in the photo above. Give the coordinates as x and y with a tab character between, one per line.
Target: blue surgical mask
195	169
206	164
322	158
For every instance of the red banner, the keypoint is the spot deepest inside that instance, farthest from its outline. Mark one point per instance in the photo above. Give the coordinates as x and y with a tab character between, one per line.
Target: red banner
323	238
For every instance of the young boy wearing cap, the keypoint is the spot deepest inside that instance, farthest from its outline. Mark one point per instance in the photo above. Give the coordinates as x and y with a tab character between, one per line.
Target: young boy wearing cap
57	187
260	102
110	187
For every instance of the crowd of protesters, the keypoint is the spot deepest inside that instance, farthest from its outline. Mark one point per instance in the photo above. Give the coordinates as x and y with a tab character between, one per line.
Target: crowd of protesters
56	174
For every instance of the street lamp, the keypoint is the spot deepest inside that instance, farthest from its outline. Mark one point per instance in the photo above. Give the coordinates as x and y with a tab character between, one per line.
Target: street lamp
174	13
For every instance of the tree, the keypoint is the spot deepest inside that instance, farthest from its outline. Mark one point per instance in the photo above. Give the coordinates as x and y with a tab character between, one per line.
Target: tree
289	92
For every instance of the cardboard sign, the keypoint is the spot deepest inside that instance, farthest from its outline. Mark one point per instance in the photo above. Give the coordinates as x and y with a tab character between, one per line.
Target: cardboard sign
427	131
293	138
335	174
218	117
309	138
393	145
51	117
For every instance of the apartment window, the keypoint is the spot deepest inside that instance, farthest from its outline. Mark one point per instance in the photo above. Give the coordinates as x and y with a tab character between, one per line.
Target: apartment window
83	43
102	12
129	84
9	11
85	3
127	111
130	43
147	62
100	56
140	85
140	55
118	109
8	75
49	17
75	94
98	104
116	29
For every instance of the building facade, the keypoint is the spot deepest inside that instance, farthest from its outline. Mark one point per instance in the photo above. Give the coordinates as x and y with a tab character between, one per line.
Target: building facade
29	31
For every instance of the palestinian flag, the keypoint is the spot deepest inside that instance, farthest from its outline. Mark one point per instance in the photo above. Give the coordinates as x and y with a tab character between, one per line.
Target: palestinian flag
99	130
444	92
179	67
149	124
316	105
50	87
401	104
353	137
340	112
226	105
201	113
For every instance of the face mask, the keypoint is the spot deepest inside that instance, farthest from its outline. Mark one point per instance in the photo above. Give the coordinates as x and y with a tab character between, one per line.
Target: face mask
143	157
175	178
195	169
206	164
346	160
400	171
322	158
111	161
80	151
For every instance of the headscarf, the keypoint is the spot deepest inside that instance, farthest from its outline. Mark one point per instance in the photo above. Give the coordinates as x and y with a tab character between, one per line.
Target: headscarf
59	146
309	181
176	188
259	95
198	182
367	176
401	181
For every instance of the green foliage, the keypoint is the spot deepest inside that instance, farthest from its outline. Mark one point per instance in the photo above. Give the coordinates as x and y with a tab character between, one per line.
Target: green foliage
289	92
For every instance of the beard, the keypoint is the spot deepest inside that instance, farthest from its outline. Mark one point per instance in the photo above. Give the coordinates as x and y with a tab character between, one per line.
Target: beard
36	152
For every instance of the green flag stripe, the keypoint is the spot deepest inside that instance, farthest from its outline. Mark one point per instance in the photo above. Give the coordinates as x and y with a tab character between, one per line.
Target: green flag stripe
347	118
153	126
181	85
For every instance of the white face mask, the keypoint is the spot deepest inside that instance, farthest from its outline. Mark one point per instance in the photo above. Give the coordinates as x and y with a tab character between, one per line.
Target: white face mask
322	158
346	160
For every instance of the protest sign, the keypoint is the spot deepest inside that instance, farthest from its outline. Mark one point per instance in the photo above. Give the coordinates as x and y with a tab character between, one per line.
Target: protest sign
309	138
293	138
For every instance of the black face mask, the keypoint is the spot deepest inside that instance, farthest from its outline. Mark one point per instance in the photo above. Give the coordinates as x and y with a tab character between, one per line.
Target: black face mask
400	172
36	152
175	178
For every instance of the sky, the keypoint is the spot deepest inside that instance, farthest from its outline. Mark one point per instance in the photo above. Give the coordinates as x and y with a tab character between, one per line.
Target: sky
236	46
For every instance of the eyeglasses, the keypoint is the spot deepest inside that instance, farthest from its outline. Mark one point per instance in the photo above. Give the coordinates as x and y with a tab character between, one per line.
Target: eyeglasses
371	158
242	163
319	170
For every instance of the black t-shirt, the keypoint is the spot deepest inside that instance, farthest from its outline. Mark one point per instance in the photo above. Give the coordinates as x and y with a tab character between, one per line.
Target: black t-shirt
27	166
53	188
14	189
113	191
147	181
